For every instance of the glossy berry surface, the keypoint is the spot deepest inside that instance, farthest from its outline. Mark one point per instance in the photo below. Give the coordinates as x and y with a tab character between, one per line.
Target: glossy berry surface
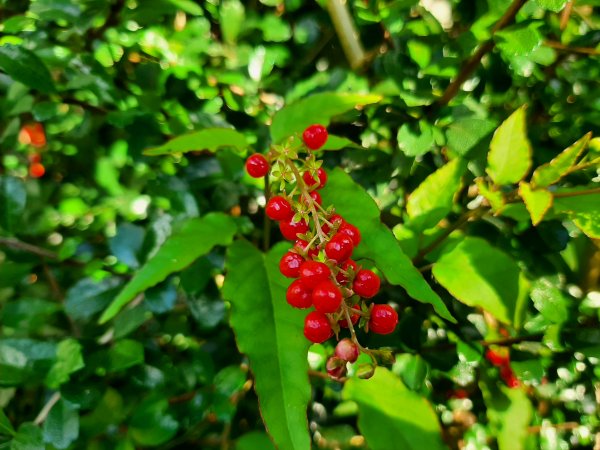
37	170
302	247
291	229
298	295
351	231
312	181
353	318
315	136
317	328
257	166
366	283
278	208
335	219
313	273
289	264
347	350
316	197
327	297
339	248
346	266
383	319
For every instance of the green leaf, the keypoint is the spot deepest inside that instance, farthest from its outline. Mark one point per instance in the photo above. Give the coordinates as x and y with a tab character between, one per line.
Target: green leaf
581	209
196	237
550	301
125	354
415	141
211	139
6	427
537	201
433	199
464	134
510	412
480	275
232	15
339	143
61	427
509	158
552	5
412	369
13	198
24	66
89	296
269	332
255	440
28	437
318	108
390	416
152	424
68	360
551	172
519	40
378	242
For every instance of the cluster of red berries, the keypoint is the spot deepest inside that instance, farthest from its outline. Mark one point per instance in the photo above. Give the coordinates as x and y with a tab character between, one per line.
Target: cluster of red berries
502	361
326	277
33	134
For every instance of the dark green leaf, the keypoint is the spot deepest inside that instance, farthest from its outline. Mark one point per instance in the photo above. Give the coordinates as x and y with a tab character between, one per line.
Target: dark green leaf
195	238
89	296
6	427
13	198
61	427
125	354
211	139
152	424
24	66
269	332
28	437
464	134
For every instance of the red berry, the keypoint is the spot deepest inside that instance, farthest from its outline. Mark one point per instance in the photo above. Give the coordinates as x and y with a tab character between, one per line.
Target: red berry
278	208
346	266
37	170
316	327
315	136
383	319
336	367
35	158
497	359
347	350
298	295
336	218
290	263
302	246
313	273
339	248
311	181
351	231
327	297
257	166
32	134
353	318
291	229
366	283
509	377
316	197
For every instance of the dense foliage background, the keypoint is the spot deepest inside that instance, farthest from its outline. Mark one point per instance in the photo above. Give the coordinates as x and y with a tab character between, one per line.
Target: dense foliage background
413	115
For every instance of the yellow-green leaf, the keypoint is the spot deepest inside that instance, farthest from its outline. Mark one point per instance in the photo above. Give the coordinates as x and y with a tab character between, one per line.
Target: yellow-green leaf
211	139
551	172
537	201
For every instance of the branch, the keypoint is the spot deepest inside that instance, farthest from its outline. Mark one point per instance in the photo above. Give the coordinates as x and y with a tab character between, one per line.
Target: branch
577	193
565	48
347	33
29	248
566	14
473	62
43	414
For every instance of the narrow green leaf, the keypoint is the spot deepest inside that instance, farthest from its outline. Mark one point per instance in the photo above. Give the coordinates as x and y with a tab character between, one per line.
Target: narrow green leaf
6	427
269	332
433	199
61	427
211	139
232	15
509	158
195	238
480	275
582	209
378	242
552	5
318	108
537	201
68	360
390	416
13	198
24	66
551	172
28	437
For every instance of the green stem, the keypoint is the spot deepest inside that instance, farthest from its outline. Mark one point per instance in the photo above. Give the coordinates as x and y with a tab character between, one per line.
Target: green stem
347	32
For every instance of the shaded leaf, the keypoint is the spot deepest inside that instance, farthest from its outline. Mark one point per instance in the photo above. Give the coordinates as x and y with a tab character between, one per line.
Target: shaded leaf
61	427
551	172
464	134
390	416
68	360
13	198
211	139
269	332
125	354
152	424
28	437
509	158
550	301
537	201
6	427
196	237
24	66
89	296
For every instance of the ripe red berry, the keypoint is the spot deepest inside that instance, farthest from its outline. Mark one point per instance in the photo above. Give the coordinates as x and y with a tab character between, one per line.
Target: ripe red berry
257	166
302	246
353	318
509	377
278	208
497	359
346	266
315	136
339	248
316	327
298	295
316	197
291	229
314	272
290	263
347	350
37	170
327	297
32	134
334	219
383	319
366	283
351	231
311	181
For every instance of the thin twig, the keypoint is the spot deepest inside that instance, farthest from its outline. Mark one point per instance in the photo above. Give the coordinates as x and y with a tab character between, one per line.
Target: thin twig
556	426
565	48
29	248
267	221
41	417
566	14
576	193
